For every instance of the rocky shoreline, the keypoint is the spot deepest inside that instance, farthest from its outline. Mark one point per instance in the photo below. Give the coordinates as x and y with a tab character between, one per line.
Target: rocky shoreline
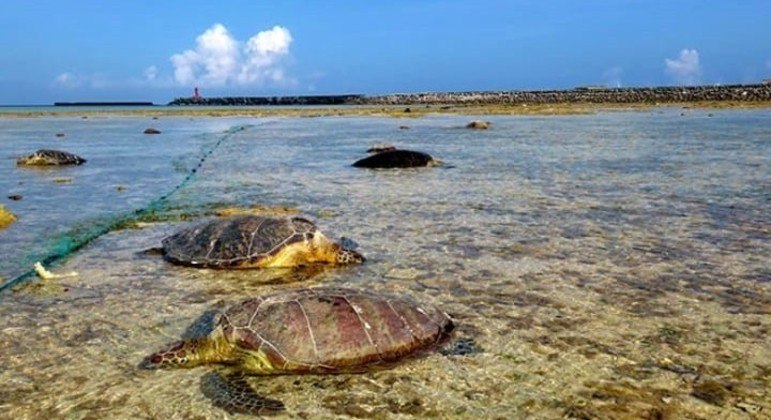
589	95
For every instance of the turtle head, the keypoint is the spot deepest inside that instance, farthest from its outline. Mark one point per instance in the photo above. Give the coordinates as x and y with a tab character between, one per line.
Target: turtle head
177	354
348	256
185	354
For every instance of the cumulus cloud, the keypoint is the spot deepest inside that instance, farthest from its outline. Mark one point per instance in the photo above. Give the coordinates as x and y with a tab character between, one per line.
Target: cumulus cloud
686	69
219	59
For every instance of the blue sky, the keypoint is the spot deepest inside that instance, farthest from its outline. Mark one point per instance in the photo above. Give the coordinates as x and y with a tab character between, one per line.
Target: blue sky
80	50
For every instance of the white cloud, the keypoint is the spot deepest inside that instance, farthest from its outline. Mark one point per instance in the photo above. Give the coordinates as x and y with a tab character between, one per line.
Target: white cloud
686	69
218	59
612	76
69	80
151	73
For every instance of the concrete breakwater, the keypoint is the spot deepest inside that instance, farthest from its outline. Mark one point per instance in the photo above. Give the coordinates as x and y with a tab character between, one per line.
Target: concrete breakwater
96	104
597	95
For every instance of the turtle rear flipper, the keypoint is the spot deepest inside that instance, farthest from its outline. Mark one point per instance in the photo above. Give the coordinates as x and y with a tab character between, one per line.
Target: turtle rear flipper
157	250
231	392
460	347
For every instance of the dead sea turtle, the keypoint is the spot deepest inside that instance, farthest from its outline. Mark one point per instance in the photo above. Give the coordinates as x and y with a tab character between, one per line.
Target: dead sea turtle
47	157
253	241
317	331
396	159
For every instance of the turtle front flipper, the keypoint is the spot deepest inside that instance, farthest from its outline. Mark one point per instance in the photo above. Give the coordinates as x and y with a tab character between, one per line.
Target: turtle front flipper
202	326
231	392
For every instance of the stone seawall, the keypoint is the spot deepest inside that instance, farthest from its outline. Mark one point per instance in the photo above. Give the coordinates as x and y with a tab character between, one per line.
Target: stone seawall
648	95
651	95
268	100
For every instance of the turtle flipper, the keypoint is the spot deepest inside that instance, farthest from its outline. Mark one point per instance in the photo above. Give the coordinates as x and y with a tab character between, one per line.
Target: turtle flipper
202	326
232	393
156	250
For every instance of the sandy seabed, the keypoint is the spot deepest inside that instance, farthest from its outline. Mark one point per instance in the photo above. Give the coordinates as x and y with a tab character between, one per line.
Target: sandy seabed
587	280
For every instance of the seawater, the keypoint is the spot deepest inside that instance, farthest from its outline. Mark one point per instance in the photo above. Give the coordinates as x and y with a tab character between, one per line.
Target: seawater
604	265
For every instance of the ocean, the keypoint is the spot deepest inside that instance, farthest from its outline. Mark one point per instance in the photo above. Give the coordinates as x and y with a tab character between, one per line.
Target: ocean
605	265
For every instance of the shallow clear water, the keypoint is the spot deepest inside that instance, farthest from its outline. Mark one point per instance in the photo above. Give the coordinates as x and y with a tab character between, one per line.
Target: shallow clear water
604	265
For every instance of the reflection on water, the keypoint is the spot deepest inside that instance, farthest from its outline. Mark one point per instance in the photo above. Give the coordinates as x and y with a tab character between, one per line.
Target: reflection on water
613	265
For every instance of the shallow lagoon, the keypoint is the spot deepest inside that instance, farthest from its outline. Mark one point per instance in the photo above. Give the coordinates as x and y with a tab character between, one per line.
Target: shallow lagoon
611	265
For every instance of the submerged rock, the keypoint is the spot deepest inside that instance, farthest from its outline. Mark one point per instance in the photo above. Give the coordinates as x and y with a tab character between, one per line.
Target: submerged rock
478	125
396	159
152	131
47	157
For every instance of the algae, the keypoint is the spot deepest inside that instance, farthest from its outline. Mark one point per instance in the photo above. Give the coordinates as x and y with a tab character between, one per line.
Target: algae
6	217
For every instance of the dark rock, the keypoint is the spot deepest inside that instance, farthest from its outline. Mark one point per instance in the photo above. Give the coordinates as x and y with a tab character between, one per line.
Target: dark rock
395	159
15	197
152	131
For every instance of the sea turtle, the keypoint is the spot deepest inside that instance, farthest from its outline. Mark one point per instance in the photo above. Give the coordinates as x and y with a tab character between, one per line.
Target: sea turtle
316	331
254	241
47	157
396	159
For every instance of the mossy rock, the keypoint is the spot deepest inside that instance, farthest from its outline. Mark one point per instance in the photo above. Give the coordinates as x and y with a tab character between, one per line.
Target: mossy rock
6	217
